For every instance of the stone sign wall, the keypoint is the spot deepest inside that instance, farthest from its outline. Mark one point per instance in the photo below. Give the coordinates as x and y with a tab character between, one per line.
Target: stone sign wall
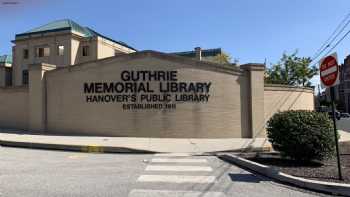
147	94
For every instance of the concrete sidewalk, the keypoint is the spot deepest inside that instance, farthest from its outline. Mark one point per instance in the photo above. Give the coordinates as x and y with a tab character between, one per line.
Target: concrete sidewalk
133	144
128	144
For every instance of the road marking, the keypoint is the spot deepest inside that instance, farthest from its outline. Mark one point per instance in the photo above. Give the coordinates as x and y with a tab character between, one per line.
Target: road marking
178	168
158	160
173	155
176	179
169	193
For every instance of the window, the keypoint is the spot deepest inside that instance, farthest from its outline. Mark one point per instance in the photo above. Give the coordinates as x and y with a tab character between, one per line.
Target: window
8	76
39	52
42	52
25	77
46	51
25	53
86	51
60	50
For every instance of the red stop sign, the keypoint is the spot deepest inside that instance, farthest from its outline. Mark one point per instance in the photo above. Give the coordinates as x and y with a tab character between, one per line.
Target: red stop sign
329	71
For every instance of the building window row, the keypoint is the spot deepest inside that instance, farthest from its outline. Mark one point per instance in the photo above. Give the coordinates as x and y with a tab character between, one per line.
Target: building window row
43	51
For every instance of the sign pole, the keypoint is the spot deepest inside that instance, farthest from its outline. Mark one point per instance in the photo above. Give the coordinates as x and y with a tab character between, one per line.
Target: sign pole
329	75
335	133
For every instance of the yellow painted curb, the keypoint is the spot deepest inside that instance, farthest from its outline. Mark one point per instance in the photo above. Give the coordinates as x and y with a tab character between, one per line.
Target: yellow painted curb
92	149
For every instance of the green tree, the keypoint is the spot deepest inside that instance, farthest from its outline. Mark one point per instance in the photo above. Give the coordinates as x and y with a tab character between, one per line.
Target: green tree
222	58
291	70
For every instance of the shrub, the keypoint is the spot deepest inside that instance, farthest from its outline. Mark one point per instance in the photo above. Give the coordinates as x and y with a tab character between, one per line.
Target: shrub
302	135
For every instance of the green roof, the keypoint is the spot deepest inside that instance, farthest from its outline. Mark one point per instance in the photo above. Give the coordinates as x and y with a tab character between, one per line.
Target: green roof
59	25
205	53
67	24
6	59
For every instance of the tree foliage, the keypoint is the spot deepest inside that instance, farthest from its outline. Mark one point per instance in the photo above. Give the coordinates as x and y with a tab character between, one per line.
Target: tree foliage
222	58
291	70
302	135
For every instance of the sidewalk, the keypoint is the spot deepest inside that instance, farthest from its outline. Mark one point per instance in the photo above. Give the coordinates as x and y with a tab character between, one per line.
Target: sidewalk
133	144
127	144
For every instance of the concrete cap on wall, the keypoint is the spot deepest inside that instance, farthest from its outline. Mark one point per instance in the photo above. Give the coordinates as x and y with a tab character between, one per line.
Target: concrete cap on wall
253	66
203	65
282	87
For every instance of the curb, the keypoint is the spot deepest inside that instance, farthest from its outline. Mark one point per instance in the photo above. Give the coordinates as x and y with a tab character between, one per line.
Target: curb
103	149
69	147
321	186
100	147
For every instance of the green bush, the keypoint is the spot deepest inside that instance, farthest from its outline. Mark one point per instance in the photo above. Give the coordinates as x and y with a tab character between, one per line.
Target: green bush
302	135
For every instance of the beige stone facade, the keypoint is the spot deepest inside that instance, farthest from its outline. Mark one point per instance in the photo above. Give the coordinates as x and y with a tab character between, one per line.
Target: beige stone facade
73	45
61	46
68	79
281	98
237	103
5	71
14	107
71	113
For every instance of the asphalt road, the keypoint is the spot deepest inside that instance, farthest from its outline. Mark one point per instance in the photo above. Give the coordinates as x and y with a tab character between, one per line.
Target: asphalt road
36	173
344	124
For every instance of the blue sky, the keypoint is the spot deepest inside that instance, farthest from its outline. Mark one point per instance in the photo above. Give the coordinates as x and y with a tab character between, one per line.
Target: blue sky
249	30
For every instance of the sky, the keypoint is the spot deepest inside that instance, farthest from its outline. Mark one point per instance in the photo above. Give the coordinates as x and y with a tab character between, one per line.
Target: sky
251	31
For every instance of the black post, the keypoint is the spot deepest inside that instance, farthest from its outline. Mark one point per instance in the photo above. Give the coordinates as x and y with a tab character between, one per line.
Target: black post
335	134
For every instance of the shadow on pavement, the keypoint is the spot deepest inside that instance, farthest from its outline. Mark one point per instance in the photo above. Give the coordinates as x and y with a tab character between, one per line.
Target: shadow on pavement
250	178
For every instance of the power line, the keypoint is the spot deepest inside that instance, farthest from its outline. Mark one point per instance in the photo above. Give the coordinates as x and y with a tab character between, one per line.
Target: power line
328	45
329	38
336	44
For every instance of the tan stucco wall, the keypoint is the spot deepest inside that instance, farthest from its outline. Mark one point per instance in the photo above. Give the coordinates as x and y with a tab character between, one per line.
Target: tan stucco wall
69	113
75	46
99	48
79	58
2	76
107	48
52	40
14	107
239	104
256	97
281	98
104	49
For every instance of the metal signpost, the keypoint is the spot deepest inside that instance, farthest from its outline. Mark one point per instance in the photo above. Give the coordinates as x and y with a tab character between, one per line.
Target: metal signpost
329	75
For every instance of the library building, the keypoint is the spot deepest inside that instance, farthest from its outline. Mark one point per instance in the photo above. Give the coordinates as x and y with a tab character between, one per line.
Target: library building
67	79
